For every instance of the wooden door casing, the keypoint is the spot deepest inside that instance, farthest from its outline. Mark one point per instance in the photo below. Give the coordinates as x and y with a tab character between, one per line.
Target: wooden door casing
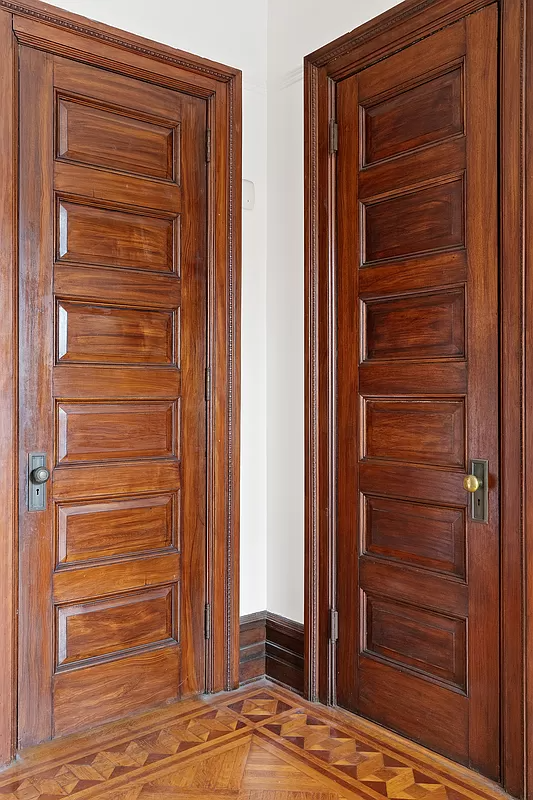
218	88
325	70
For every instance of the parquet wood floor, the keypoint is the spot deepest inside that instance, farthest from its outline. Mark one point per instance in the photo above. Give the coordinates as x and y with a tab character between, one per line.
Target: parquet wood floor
260	743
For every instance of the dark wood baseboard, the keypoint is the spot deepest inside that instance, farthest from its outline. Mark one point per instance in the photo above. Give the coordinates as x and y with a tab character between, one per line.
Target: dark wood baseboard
252	647
272	646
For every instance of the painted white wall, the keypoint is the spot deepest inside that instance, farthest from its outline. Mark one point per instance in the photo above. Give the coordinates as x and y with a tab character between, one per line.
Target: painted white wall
234	33
295	28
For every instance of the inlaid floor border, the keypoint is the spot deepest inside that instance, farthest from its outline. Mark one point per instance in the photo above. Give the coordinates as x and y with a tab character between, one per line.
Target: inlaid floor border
356	756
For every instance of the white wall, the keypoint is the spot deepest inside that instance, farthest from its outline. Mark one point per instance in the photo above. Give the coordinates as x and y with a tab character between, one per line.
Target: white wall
233	32
295	28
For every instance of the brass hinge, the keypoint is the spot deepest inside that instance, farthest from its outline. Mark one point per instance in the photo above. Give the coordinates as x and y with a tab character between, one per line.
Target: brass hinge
208	145
333	625
208	384
333	136
207	621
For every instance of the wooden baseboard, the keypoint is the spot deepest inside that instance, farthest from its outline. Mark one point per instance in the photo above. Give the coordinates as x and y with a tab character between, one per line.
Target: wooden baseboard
252	647
272	646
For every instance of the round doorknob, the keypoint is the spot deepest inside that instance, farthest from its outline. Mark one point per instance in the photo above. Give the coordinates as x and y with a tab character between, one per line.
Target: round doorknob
471	483
40	475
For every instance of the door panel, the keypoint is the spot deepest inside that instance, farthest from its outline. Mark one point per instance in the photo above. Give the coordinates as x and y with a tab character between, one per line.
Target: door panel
417	377
113	313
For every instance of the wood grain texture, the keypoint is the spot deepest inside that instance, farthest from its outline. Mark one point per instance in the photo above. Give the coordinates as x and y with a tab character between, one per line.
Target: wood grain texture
98	530
417	326
101	617
414	620
419	534
272	645
252	647
84	698
8	392
110	335
517	557
91	234
415	431
428	219
35	391
97	135
260	743
115	431
163	70
115	625
377	53
426	113
419	640
285	651
121	576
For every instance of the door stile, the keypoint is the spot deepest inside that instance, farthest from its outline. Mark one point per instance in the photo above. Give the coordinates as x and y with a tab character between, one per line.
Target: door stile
36	257
8	389
194	411
482	440
346	321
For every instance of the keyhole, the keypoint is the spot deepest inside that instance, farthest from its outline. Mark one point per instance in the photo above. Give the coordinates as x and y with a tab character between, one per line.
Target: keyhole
37	490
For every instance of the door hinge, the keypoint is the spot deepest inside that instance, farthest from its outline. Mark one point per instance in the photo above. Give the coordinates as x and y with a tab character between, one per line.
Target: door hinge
333	625
208	384
208	145
207	621
333	136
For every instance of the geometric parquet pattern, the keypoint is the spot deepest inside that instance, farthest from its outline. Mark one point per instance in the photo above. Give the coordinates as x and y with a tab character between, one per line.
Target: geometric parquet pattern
260	743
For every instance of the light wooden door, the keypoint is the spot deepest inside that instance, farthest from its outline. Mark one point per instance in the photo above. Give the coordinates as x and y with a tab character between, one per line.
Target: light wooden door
417	376
112	220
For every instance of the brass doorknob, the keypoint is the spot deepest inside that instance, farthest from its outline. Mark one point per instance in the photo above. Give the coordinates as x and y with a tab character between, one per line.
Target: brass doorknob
471	483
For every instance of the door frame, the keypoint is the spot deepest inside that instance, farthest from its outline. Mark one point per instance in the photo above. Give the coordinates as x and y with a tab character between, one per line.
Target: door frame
390	32
56	31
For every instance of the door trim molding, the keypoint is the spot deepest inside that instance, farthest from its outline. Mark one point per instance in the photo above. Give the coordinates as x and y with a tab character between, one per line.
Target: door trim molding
390	32
57	31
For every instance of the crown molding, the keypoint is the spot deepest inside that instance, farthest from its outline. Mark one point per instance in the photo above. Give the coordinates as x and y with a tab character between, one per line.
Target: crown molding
51	15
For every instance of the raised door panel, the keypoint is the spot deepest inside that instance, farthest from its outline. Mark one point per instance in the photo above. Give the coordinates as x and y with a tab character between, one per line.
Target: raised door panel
102	530
416	534
418	116
430	643
115	625
416	326
112	335
99	136
115	431
424	220
417	431
91	234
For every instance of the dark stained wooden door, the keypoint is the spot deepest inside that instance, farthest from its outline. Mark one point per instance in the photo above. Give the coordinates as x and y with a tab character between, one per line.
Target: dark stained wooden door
112	212
417	377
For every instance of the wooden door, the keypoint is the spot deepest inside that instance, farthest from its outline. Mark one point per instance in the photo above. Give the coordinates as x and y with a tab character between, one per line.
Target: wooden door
417	377
112	250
